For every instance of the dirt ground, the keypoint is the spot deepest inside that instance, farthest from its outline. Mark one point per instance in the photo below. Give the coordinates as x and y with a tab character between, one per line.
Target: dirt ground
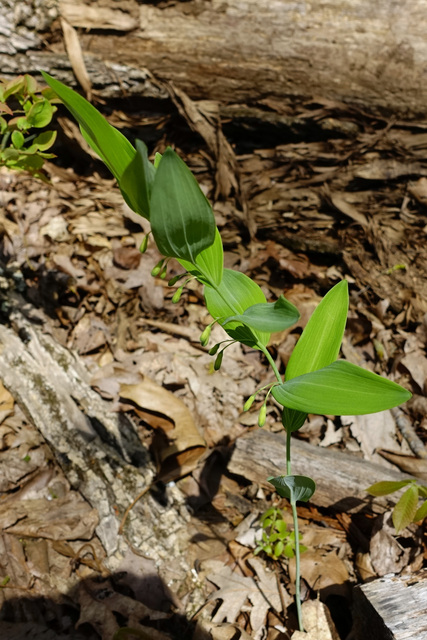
336	194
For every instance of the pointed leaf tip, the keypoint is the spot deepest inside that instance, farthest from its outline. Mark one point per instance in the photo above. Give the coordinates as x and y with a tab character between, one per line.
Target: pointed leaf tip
320	342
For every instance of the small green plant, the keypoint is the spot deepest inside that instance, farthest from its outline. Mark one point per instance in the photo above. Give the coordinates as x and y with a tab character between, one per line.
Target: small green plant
406	510
183	227
24	106
276	539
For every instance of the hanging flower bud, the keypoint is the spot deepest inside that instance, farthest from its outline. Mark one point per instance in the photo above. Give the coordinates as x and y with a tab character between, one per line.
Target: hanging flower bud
262	415
163	272
159	266
204	338
214	349
177	295
144	244
218	360
249	402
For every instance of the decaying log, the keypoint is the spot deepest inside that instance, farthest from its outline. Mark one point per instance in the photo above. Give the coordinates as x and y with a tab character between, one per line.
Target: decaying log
356	51
391	608
98	450
341	478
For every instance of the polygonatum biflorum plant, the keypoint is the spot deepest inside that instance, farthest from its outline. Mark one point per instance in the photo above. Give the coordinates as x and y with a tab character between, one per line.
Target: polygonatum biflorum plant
183	226
25	106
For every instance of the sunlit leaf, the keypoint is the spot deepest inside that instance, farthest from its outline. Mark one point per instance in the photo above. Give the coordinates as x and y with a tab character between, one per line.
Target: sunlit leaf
42	142
321	339
342	388
17	139
111	146
405	510
40	113
387	486
294	487
233	296
182	219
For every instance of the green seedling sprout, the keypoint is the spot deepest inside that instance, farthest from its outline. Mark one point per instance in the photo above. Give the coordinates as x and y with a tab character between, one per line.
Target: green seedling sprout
25	107
183	227
276	539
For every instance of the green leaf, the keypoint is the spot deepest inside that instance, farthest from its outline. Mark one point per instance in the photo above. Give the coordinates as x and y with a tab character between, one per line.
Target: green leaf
278	549
209	264
293	487
293	420
111	146
31	86
406	508
281	527
14	86
17	139
40	113
42	142
268	316
386	487
137	181
321	339
233	296
22	123
342	388
182	219
421	513
422	490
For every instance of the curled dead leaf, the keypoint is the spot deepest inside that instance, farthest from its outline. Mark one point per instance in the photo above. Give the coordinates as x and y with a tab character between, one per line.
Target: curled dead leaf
177	445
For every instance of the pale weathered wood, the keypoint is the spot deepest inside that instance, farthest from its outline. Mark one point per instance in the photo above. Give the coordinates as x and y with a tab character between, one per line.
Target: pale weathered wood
98	450
341	478
363	53
391	608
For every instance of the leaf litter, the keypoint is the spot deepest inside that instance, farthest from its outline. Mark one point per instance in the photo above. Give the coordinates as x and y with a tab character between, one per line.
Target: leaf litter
314	218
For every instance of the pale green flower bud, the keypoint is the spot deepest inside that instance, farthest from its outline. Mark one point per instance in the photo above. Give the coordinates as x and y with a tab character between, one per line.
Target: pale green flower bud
218	360
177	295
204	338
144	244
249	402
159	266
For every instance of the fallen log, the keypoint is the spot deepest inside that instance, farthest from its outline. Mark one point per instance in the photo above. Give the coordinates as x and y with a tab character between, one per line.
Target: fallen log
341	478
391	608
364	54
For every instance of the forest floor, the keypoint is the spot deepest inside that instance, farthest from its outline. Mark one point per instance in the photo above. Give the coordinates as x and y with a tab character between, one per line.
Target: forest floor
317	195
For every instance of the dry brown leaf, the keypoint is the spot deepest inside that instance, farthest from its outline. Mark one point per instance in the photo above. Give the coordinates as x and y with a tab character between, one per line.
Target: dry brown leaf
68	518
409	464
178	444
7	403
318	623
324	572
235	590
415	361
75	55
386	552
342	202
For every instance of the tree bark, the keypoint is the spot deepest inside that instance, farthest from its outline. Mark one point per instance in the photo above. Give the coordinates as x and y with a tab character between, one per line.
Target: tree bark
362	53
